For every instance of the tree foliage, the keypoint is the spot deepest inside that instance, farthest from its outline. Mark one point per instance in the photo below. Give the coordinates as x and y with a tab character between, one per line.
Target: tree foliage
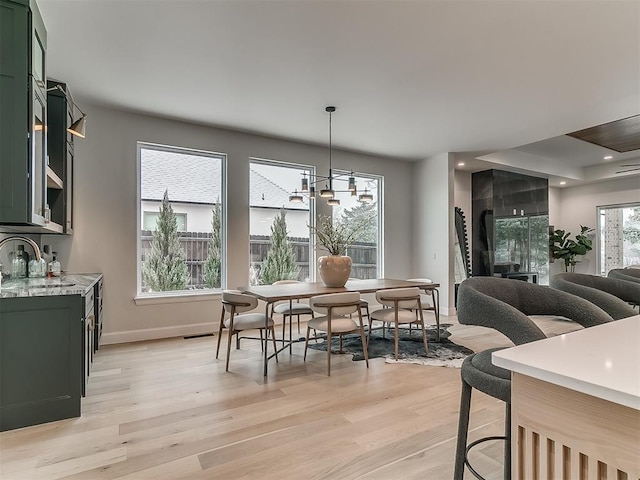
365	215
280	262
335	236
165	267
631	229
212	270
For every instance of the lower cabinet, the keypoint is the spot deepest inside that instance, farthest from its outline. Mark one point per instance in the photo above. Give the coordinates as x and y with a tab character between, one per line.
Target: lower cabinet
41	368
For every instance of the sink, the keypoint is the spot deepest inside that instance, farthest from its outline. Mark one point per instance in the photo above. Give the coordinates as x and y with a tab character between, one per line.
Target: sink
52	285
21	285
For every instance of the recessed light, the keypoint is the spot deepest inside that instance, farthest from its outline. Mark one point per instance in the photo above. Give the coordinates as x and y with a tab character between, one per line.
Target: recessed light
608	157
563	183
461	164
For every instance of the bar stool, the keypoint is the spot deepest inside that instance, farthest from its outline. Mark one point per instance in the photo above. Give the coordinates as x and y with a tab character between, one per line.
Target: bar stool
478	372
504	305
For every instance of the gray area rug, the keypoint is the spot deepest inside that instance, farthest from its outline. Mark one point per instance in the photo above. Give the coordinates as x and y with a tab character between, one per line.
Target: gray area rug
410	347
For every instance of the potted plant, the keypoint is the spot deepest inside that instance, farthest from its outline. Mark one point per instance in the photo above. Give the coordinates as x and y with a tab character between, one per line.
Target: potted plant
336	237
564	248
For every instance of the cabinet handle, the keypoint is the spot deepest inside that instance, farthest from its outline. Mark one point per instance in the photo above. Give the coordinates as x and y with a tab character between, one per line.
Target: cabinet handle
92	321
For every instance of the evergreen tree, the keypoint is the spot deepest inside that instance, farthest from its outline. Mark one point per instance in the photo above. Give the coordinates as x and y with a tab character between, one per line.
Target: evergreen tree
165	267
213	266
280	263
365	215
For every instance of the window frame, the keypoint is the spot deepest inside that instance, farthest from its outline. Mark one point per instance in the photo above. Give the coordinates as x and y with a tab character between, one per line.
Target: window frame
177	296
312	209
380	200
598	242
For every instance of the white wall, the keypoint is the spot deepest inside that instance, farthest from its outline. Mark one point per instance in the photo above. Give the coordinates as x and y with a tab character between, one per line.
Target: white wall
434	226
578	206
105	233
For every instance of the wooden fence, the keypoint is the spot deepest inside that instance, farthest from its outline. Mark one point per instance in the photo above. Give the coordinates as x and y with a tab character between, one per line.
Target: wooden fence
195	244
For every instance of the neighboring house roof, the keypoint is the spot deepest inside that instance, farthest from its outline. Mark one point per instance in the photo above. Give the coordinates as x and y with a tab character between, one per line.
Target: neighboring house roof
190	179
265	192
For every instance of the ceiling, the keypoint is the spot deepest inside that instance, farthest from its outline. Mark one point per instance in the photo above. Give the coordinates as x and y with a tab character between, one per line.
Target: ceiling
409	79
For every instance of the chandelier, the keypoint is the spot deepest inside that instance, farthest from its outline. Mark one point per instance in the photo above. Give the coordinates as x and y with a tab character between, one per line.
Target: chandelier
309	184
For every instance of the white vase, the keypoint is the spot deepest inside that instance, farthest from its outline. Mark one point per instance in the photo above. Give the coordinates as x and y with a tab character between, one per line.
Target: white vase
334	270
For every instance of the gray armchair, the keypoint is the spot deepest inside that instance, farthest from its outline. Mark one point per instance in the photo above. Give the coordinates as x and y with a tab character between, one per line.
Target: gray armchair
628	274
610	294
503	304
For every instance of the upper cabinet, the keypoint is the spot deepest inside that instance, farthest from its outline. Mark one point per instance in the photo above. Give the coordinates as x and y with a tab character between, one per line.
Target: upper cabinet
28	184
60	148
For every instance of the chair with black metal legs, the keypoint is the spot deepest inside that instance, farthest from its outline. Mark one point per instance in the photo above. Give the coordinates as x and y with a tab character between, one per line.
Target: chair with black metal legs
503	305
336	309
235	303
403	306
430	300
290	309
364	306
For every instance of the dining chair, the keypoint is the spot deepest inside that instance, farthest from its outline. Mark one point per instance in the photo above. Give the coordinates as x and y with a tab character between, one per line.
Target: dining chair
430	301
335	309
290	309
364	304
235	304
403	306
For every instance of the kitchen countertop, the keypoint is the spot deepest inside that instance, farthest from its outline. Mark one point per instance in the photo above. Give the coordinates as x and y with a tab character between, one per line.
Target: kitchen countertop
602	361
69	284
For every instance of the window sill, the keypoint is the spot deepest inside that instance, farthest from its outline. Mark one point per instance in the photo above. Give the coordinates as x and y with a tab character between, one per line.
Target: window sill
177	297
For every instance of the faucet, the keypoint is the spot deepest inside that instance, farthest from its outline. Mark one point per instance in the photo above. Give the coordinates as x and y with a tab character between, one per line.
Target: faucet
34	245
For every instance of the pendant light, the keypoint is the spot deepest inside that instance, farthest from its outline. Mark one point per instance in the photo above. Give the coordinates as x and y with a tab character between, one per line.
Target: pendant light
329	192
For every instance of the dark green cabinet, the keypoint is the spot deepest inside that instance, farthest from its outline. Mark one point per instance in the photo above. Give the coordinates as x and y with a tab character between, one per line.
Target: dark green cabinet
60	149
23	116
41	343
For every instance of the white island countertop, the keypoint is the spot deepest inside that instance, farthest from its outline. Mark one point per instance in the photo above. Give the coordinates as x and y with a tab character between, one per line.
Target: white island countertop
602	361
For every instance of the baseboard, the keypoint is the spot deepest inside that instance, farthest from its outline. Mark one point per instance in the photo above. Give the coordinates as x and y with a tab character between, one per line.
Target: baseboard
156	333
184	331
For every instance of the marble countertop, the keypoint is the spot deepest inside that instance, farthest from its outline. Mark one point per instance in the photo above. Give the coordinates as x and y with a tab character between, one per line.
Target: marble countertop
602	361
69	284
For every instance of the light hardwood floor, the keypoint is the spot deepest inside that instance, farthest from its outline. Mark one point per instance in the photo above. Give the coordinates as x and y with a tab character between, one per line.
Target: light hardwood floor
166	409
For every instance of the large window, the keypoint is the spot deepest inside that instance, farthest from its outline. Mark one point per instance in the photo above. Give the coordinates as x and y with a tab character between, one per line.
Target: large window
366	252
618	236
176	185
279	245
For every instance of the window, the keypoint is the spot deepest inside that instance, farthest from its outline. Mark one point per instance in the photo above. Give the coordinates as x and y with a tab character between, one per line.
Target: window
270	184
177	184
366	252
618	236
150	221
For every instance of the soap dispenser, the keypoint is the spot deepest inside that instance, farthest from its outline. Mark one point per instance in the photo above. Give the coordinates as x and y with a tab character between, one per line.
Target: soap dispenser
54	266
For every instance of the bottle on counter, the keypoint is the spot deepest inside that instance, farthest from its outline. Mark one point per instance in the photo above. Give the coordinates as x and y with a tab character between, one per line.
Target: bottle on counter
19	264
37	268
55	269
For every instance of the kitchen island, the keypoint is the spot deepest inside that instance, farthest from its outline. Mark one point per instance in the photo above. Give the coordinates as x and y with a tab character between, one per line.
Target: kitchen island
575	404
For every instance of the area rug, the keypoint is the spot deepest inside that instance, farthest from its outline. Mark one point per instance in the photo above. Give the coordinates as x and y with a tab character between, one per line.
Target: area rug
444	353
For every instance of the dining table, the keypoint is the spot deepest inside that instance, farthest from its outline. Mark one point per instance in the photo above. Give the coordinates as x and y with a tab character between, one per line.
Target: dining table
295	291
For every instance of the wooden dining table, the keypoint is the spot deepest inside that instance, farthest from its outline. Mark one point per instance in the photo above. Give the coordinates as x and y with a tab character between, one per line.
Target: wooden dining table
294	291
